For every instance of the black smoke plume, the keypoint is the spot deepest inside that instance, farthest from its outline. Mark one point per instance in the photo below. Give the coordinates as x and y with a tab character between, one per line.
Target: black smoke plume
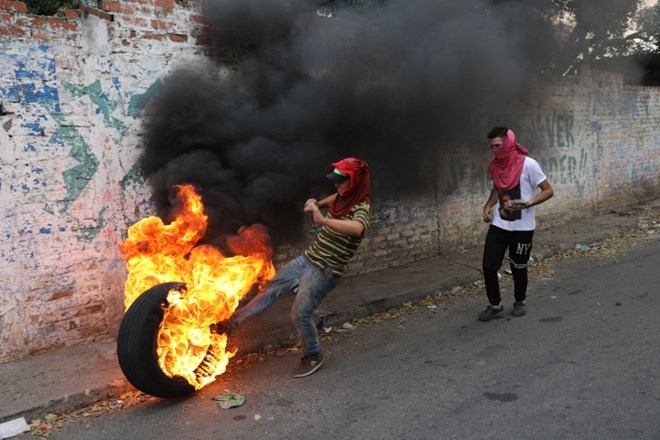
293	90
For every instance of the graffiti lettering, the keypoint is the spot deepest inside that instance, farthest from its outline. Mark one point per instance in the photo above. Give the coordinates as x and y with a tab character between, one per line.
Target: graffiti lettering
566	169
556	129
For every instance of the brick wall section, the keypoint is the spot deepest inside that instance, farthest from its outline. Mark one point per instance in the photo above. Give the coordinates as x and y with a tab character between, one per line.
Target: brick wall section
16	25
73	88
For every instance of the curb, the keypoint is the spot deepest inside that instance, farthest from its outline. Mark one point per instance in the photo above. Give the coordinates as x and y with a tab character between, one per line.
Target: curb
68	380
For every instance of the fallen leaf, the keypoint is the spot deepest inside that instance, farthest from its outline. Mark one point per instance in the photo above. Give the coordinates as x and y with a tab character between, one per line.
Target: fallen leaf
229	400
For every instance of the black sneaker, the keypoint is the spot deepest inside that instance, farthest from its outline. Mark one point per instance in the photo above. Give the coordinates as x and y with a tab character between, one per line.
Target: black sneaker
222	327
308	365
490	313
518	309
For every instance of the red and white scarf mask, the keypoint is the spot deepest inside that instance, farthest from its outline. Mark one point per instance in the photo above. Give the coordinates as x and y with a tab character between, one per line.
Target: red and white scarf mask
358	190
507	165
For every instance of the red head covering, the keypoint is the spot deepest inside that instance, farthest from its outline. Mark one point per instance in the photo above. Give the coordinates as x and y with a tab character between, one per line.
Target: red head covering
506	167
358	189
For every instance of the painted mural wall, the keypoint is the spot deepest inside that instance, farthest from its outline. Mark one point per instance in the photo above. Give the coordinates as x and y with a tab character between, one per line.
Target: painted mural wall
73	90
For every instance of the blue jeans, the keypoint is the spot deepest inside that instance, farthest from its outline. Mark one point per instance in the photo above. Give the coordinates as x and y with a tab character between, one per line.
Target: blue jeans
312	285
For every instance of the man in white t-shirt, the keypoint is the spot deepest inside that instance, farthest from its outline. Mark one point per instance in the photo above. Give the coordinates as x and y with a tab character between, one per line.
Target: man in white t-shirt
519	184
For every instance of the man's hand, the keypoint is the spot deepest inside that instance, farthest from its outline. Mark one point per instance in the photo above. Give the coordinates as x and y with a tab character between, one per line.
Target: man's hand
312	206
516	205
309	203
488	214
352	228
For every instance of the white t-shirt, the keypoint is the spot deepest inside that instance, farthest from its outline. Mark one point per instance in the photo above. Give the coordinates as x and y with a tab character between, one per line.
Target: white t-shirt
522	220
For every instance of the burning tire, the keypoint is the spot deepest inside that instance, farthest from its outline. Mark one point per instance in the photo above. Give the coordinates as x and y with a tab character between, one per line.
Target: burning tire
136	345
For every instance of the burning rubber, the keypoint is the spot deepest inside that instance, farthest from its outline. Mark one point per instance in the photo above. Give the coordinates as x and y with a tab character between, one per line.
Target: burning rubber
166	346
137	345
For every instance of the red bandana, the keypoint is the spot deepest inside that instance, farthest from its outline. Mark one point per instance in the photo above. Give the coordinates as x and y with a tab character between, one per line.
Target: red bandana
507	165
358	190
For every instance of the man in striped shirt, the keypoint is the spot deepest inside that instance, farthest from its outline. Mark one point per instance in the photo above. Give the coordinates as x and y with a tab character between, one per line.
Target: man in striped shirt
315	273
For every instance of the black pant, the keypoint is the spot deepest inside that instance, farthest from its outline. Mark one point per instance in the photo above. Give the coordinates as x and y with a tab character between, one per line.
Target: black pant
519	244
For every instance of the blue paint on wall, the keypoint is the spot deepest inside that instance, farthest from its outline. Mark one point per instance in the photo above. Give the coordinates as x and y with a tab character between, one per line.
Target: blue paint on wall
30	79
32	74
36	128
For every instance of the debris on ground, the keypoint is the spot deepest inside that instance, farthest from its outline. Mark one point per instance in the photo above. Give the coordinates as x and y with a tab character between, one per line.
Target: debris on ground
542	268
13	428
229	400
346	327
45	426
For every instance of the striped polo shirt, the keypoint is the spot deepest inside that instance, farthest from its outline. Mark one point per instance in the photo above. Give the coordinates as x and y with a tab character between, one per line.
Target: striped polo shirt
336	250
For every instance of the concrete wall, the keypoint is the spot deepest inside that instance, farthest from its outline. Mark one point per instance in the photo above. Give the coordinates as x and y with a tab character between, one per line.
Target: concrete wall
73	89
597	140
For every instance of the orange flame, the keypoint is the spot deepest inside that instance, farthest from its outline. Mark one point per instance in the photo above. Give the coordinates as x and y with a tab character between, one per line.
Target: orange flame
158	253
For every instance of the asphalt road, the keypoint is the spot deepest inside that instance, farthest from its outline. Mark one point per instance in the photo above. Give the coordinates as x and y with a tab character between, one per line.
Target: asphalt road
583	364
